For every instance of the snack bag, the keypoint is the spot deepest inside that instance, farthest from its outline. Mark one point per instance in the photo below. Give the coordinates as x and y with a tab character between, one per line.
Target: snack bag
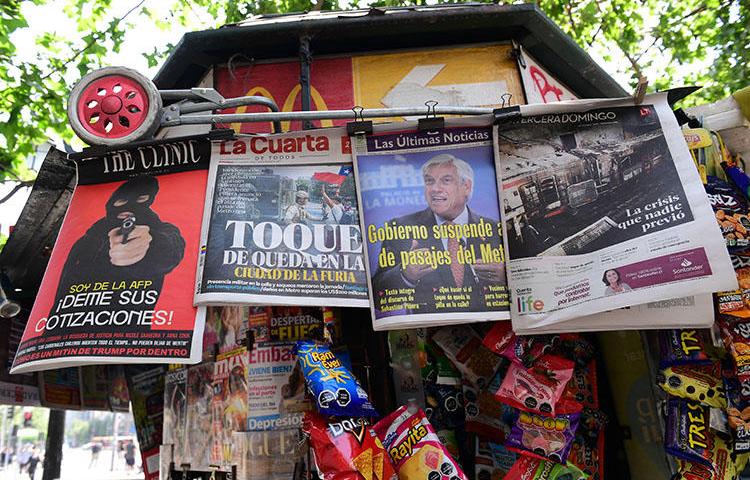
536	389
347	449
725	465
731	210
687	435
414	447
444	406
543	437
464	348
334	388
738	413
735	333
530	468
574	346
700	383
737	302
492	461
581	391
484	414
683	346
524	349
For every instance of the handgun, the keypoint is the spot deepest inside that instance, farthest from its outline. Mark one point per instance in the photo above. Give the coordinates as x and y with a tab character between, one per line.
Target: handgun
128	225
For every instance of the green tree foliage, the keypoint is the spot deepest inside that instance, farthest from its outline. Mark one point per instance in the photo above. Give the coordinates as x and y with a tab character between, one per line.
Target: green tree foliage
672	42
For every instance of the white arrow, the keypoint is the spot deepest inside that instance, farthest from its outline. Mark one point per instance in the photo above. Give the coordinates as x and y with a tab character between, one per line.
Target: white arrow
412	90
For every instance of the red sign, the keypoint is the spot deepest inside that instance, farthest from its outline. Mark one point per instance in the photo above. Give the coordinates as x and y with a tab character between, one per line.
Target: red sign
331	89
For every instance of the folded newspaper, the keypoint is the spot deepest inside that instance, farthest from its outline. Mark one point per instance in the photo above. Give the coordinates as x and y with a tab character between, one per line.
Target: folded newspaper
603	208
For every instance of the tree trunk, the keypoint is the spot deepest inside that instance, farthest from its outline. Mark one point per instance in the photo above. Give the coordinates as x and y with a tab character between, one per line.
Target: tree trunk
54	447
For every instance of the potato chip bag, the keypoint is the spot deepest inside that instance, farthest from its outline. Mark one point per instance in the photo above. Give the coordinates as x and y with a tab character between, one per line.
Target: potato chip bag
332	385
347	449
415	448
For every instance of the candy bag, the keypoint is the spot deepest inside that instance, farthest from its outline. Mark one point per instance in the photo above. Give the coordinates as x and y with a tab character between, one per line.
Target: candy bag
484	414
574	347
682	346
724	464
334	388
700	383
464	348
524	349
492	461
444	406
530	468
414	447
543	437
687	435
581	391
347	449
536	389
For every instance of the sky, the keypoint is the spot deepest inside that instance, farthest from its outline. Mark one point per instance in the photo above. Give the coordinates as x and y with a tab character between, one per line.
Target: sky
50	17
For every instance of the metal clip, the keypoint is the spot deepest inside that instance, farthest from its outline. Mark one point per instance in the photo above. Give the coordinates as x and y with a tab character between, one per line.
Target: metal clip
431	121
185	467
359	126
505	99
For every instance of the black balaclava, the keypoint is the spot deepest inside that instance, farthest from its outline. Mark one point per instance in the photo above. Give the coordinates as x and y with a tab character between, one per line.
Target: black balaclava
130	191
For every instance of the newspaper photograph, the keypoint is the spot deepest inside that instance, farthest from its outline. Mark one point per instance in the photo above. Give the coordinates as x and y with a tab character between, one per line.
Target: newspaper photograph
281	224
602	208
430	215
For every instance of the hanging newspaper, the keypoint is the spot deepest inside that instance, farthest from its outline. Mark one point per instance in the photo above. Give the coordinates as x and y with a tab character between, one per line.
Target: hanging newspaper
280	224
118	284
430	215
603	208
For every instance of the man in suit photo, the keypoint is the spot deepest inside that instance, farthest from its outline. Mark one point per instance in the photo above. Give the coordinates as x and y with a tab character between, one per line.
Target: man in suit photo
448	188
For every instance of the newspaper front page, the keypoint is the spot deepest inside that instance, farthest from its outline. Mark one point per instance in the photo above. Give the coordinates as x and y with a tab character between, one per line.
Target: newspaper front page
431	225
602	208
281	225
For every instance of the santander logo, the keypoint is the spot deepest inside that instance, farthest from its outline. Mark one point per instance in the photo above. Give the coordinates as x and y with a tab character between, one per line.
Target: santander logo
260	145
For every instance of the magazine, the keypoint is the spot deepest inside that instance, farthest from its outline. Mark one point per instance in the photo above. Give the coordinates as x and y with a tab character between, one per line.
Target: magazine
602	208
276	388
118	286
431	221
198	416
229	405
146	387
280	225
175	413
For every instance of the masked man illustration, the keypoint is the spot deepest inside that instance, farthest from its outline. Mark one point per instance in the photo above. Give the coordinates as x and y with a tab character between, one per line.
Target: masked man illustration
448	186
130	243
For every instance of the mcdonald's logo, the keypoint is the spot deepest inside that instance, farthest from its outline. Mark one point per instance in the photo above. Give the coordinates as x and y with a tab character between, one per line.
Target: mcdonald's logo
288	106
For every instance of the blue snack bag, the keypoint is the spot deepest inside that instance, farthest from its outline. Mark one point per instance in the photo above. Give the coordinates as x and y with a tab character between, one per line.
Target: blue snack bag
335	390
687	434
